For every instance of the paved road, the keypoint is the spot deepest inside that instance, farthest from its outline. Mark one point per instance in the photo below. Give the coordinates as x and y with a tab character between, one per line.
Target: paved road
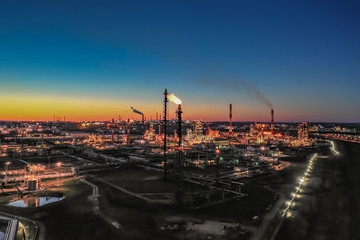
325	211
260	231
94	197
42	176
95	188
95	194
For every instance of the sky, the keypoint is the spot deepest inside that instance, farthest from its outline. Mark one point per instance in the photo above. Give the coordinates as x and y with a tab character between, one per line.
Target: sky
94	60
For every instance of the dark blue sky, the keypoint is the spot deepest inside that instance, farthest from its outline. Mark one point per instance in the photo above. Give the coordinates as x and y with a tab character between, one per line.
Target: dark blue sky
304	56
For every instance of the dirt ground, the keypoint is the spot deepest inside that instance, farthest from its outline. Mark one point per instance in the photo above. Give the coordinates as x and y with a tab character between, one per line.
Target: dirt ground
134	218
134	214
330	206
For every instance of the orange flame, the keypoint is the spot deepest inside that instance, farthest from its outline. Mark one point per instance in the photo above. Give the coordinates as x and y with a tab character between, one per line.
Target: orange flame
174	99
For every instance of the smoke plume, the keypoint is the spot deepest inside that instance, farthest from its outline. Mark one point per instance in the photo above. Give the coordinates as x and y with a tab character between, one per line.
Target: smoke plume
224	86
136	111
256	93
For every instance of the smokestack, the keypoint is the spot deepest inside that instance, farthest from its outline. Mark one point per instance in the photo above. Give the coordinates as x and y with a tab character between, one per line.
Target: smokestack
165	130
138	112
179	191
128	132
112	131
272	121
230	116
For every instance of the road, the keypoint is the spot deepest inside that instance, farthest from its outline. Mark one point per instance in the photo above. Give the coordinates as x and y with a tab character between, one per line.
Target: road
94	197
22	178
343	137
95	194
260	231
329	206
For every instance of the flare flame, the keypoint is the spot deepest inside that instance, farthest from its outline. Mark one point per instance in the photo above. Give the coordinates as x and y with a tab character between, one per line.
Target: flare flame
174	99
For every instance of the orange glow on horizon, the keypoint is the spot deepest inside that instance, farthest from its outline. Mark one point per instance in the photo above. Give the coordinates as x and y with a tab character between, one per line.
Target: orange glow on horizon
43	108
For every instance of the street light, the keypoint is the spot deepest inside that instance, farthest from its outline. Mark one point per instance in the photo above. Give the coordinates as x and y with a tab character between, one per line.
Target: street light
58	164
217	166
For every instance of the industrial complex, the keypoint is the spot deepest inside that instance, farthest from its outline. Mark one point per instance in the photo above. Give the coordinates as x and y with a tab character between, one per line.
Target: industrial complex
161	178
179	120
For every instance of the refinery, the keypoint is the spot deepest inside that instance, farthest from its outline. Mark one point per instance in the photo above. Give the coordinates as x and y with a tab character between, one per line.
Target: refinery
179	120
196	171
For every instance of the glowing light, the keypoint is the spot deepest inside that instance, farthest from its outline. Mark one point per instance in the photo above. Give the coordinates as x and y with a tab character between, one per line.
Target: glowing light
174	99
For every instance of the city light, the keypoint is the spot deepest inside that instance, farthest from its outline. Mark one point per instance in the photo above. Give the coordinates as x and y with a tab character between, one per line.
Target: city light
264	146
298	188
333	149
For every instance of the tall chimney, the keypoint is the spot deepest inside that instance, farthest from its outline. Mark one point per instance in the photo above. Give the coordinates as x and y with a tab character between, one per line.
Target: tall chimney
128	132
165	130
179	180
230	116
272	121
112	131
